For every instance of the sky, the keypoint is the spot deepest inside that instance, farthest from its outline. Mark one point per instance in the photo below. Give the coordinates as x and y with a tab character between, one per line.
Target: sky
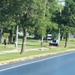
62	2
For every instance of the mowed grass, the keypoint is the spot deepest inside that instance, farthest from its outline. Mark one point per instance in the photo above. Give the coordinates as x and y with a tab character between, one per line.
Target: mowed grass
31	53
31	43
8	47
26	54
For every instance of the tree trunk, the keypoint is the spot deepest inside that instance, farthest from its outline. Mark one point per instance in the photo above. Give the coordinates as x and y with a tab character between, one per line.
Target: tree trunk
61	38
0	36
24	40
66	40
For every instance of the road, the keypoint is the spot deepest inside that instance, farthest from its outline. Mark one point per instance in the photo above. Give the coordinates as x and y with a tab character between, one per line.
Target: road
61	64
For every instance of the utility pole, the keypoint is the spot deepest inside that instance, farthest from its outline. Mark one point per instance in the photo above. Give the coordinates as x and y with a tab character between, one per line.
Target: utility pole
59	36
16	42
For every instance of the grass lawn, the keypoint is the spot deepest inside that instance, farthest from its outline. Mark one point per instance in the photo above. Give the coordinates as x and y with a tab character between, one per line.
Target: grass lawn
31	53
8	47
31	43
34	44
26	54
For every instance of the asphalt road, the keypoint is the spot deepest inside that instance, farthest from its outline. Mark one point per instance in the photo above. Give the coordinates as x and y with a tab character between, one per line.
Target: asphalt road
62	64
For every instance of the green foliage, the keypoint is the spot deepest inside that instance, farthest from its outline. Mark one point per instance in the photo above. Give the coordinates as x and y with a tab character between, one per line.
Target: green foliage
27	13
31	30
69	13
6	34
44	21
41	16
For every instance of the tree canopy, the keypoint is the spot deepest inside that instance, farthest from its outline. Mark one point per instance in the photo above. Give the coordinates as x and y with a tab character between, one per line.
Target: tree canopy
39	16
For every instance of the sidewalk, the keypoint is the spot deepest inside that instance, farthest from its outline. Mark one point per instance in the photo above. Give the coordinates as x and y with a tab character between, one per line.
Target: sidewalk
18	50
9	51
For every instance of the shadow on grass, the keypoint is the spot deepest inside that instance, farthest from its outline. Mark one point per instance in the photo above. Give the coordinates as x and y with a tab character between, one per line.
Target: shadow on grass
31	45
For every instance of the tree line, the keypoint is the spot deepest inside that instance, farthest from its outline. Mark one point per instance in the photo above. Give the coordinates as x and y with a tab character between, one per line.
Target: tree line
38	17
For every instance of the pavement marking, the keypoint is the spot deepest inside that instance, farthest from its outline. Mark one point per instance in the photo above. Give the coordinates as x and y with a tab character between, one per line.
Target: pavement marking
35	62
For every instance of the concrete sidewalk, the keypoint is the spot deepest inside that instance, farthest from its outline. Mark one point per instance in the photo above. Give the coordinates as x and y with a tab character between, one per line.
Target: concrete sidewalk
9	51
18	50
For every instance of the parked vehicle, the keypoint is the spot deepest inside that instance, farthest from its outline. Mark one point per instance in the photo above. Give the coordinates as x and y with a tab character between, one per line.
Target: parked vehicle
54	42
49	36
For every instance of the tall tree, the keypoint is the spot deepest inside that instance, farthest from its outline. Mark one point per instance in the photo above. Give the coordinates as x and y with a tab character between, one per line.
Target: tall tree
27	19
9	10
69	16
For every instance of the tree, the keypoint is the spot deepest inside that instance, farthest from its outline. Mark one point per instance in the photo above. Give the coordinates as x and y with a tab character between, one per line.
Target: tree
9	10
27	19
44	21
68	16
19	12
40	30
36	13
40	26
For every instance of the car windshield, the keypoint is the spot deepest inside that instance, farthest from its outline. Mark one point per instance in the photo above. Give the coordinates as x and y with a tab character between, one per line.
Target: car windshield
54	40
